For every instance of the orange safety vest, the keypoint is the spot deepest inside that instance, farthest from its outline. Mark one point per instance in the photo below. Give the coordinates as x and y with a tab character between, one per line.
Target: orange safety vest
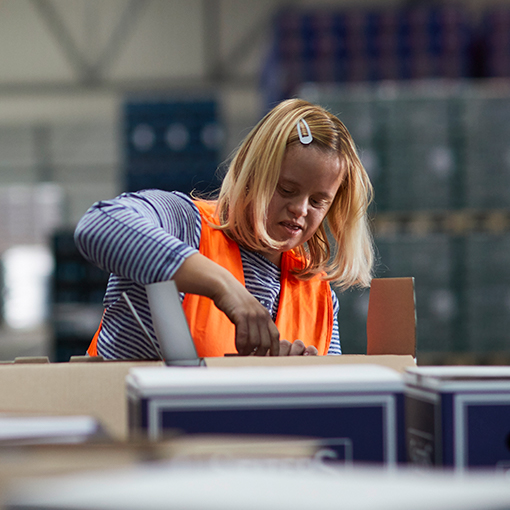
305	310
92	350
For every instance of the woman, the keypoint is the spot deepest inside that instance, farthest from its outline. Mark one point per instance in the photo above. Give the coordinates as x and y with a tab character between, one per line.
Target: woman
255	264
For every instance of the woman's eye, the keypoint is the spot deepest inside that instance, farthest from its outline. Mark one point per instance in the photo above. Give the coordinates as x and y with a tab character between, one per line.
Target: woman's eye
315	202
284	191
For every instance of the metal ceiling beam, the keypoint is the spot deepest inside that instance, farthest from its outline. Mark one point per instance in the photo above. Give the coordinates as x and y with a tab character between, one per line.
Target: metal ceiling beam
128	86
64	39
257	33
124	28
90	72
224	66
211	30
219	70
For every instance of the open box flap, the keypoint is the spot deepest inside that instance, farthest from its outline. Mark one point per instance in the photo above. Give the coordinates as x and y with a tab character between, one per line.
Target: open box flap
391	320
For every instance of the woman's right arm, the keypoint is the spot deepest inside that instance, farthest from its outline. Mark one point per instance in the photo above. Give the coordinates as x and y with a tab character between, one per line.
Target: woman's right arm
147	237
142	236
255	330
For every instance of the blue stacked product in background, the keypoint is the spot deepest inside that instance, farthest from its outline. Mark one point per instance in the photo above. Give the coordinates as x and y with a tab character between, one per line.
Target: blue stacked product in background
435	151
367	45
495	42
434	42
171	145
78	288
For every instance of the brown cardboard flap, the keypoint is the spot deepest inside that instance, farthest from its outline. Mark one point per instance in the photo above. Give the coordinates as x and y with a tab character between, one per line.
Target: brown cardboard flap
85	359
391	320
32	359
91	389
398	363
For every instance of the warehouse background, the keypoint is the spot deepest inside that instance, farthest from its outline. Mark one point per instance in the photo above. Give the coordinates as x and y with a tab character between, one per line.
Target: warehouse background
99	97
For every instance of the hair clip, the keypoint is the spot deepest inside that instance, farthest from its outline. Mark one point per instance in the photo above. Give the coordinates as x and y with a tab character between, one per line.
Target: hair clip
305	140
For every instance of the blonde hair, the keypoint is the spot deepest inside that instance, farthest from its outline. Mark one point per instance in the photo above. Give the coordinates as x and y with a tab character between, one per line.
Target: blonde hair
252	178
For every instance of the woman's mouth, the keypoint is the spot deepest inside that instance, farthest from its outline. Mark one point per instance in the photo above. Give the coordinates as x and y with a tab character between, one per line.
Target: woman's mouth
292	228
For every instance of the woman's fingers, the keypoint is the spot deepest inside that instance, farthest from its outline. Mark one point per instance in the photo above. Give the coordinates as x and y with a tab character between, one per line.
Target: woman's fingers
256	333
264	340
268	341
274	337
298	348
311	350
285	347
255	330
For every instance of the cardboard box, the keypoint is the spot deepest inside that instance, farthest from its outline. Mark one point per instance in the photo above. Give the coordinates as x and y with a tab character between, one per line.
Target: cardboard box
37	460
91	389
391	318
397	362
391	321
98	389
458	416
357	410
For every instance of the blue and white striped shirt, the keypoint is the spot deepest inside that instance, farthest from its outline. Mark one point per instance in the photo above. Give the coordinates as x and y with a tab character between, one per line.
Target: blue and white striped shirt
143	238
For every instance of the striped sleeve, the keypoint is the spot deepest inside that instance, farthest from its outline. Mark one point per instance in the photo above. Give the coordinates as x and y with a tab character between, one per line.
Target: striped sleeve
139	236
334	346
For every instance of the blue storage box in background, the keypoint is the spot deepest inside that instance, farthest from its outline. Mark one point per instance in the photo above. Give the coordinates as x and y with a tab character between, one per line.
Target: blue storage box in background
357	409
458	416
172	145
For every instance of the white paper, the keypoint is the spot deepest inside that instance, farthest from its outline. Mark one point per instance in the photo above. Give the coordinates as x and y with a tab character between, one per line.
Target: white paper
170	323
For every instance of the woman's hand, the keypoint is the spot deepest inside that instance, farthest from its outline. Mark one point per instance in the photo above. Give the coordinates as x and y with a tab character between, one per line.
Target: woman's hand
298	348
256	332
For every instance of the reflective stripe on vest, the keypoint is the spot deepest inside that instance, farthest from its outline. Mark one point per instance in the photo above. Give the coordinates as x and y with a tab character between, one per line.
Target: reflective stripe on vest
305	309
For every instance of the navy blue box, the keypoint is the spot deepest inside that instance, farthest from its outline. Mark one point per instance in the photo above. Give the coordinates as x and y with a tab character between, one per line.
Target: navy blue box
172	144
358	410
458	417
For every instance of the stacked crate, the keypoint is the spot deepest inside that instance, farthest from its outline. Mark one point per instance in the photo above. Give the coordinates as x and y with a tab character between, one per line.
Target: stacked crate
352	320
494	41
171	145
442	206
420	155
434	42
430	259
487	305
78	290
487	178
367	45
487	148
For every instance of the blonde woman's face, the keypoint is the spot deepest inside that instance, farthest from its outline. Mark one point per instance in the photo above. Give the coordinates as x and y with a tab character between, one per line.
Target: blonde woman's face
309	180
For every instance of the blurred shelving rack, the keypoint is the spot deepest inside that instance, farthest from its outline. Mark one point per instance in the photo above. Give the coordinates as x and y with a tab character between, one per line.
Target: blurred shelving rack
77	295
438	156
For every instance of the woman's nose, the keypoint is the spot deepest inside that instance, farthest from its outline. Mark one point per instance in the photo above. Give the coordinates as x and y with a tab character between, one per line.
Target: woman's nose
298	206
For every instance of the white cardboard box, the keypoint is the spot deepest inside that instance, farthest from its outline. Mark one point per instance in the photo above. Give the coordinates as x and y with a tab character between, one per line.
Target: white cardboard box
458	416
356	409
